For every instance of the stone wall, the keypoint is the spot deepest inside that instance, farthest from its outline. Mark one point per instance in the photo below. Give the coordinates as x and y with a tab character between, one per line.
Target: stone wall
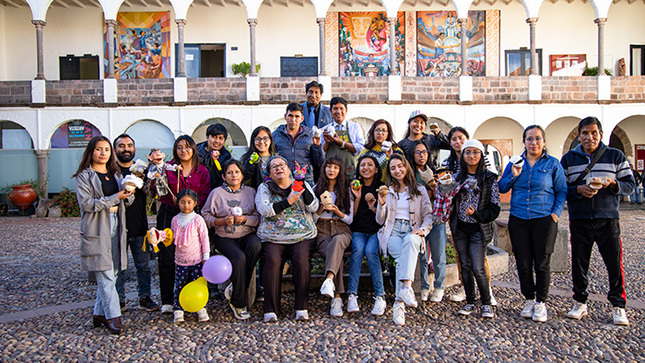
15	93
500	89
628	89
284	90
145	92
216	90
429	90
570	89
360	89
74	93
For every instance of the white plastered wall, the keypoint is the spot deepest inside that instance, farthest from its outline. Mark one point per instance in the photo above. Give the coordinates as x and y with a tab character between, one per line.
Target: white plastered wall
3	45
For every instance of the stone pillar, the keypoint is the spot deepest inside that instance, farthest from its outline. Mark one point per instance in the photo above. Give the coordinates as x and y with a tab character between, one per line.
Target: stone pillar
252	24
41	156
464	46
534	61
601	45
321	36
181	68
392	22
110	47
39	24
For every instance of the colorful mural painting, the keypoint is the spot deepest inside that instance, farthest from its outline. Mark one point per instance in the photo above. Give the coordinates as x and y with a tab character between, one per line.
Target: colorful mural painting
142	48
364	46
439	44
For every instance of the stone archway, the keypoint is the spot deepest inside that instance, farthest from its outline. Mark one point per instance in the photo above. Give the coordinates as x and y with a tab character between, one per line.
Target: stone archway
236	136
618	140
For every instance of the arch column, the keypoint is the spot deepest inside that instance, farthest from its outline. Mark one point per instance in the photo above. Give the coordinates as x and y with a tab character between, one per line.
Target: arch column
41	157
601	45
392	22
181	67
253	22
464	46
39	24
321	36
110	46
534	62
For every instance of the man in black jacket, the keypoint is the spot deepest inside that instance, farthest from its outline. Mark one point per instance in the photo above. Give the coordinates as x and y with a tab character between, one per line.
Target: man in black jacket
213	154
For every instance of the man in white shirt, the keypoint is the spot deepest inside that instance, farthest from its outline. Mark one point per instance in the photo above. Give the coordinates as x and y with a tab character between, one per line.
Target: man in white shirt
342	137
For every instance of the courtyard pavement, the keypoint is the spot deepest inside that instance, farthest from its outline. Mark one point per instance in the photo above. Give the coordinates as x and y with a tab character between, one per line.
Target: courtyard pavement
45	315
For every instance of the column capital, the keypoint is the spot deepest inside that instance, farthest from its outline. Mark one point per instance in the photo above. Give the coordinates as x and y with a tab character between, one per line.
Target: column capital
462	20
252	21
392	19
321	20
600	21
41	153
531	21
110	22
39	23
181	22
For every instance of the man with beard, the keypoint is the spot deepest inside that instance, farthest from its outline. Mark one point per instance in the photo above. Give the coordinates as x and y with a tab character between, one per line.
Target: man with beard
136	223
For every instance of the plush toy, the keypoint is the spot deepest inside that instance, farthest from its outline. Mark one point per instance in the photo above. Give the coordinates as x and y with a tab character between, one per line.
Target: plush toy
155	236
325	199
386	146
427	176
369	197
157	170
215	156
236	211
254	158
131	182
317	132
356	184
299	177
138	168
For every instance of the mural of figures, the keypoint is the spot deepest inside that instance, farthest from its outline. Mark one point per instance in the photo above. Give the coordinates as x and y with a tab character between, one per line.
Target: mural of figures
142	48
364	43
439	44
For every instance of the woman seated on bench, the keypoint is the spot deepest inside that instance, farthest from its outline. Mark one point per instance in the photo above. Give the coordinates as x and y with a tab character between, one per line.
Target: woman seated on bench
287	231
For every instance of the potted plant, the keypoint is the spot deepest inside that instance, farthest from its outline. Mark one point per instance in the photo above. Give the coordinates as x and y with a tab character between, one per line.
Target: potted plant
243	68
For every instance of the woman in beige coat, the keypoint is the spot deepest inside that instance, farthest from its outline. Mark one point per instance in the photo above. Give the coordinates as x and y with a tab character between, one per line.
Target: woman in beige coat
102	198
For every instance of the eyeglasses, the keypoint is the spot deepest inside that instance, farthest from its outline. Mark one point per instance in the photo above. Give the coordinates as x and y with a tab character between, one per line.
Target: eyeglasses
184	148
380	131
278	166
536	139
262	139
421	152
472	152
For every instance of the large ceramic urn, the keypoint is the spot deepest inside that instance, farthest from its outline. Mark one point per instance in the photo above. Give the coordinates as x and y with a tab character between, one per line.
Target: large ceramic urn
22	196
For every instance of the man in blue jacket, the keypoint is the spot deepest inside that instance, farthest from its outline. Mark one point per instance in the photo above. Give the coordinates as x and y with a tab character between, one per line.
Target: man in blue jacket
313	111
593	214
296	142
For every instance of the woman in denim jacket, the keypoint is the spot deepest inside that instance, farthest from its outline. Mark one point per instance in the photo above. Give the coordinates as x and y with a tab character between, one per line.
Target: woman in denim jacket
539	193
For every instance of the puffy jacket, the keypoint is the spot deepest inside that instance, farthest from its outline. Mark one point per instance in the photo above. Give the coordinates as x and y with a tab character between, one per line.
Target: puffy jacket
206	160
302	150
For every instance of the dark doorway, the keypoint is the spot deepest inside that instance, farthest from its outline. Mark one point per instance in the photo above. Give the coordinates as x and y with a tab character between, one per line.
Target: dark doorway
79	67
204	60
637	60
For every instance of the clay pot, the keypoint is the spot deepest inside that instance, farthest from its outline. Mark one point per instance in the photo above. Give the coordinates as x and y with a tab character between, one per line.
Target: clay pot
22	196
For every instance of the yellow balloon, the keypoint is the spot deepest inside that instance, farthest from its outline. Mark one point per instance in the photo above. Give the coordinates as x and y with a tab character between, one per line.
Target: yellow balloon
194	296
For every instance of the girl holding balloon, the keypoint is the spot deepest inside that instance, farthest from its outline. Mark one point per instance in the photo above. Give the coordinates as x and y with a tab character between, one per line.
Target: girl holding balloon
192	249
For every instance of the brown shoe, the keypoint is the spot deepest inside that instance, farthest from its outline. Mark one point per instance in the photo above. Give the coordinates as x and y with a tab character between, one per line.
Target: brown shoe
114	325
99	320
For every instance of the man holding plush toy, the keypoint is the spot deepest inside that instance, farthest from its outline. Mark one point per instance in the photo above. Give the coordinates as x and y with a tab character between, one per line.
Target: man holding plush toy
597	176
136	223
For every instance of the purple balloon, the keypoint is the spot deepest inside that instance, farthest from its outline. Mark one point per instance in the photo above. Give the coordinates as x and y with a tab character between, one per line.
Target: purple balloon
217	269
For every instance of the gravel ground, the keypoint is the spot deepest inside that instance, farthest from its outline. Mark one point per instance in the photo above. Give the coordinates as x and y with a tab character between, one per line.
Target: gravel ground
41	269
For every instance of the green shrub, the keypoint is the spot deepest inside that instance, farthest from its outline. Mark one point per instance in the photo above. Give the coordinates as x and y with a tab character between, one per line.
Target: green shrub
593	71
68	203
243	68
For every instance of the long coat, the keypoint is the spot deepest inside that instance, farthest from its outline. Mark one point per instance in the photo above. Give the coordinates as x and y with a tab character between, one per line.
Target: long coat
96	240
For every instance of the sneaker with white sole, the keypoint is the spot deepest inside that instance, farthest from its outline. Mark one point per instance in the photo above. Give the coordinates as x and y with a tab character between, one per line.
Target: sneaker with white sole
178	316
578	311
539	312
406	294
327	288
527	311
487	311
619	316
425	294
493	302
270	318
459	295
202	315
466	310
302	315
437	295
336	307
166	309
398	313
240	313
379	306
228	292
352	304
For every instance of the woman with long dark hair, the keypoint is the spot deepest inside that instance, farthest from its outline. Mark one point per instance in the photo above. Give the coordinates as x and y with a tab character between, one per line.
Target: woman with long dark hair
539	193
102	201
256	157
456	136
379	134
190	175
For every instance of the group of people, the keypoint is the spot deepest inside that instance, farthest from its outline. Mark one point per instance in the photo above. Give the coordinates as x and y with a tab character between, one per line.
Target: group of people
315	184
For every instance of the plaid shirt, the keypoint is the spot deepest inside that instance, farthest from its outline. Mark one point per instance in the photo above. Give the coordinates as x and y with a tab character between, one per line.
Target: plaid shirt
443	202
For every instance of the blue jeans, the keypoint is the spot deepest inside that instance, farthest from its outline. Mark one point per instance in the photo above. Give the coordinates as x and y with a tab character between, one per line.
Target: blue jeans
404	247
472	254
107	299
142	264
435	243
635	195
366	245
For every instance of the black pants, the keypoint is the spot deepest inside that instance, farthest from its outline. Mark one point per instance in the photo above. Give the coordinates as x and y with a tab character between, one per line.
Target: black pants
243	253
606	233
533	241
274	255
472	255
166	256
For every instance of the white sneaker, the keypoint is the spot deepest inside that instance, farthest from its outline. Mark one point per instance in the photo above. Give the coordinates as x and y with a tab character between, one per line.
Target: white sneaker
459	295
302	315
178	316
166	309
493	302
328	288
352	304
398	311
539	312
379	306
270	318
487	311
406	294
527	311
437	295
578	311
228	292
202	315
336	307
619	316
425	294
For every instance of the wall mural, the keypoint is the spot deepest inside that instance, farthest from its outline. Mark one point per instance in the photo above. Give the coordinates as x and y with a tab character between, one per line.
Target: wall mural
142	46
364	43
439	44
